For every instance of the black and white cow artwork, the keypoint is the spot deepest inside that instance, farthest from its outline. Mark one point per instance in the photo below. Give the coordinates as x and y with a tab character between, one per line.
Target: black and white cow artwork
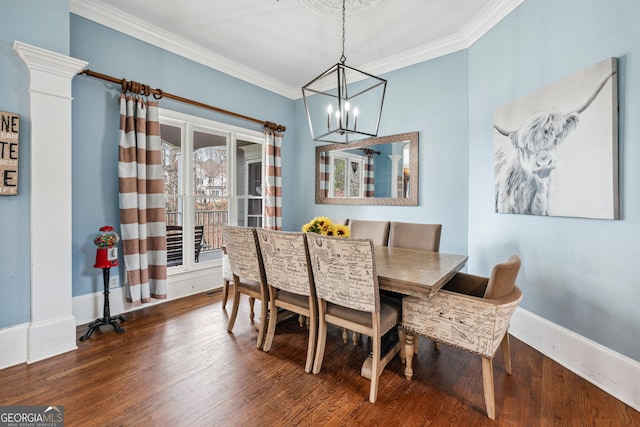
525	165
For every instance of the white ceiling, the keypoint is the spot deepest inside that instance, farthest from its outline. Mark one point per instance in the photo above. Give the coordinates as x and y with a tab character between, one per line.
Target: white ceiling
281	45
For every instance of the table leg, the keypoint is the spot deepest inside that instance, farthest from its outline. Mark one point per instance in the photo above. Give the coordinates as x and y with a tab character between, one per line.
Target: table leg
389	348
408	353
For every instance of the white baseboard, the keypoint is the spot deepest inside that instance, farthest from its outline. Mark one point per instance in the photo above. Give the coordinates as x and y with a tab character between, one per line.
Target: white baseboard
610	371
30	342
86	308
13	342
50	338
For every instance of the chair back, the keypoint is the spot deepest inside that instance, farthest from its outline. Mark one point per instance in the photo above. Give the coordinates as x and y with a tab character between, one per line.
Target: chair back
243	252
503	278
377	231
409	235
286	261
344	271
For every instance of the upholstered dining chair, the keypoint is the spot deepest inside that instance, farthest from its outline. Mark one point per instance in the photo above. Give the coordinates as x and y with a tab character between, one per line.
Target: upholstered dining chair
227	280
378	232
410	235
471	313
346	281
290	281
248	273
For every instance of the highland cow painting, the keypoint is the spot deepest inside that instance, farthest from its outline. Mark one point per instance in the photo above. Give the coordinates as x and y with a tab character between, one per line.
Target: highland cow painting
556	150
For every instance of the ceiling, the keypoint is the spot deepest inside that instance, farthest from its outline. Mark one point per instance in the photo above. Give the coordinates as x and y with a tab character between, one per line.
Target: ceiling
281	45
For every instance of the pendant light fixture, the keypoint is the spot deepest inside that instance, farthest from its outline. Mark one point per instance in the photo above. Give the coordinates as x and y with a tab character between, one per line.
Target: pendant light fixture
344	104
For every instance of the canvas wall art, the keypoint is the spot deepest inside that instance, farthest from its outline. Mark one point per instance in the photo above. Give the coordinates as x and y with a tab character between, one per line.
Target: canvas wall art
556	150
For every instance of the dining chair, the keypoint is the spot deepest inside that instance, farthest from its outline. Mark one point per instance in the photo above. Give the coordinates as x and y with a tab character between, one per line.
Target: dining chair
425	237
227	280
248	273
290	281
344	272
377	231
409	235
471	313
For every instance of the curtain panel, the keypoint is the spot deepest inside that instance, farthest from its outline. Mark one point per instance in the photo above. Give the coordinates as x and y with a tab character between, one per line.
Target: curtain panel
273	193
142	206
369	180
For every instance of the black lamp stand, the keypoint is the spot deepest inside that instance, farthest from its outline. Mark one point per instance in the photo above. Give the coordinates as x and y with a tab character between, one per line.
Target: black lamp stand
106	319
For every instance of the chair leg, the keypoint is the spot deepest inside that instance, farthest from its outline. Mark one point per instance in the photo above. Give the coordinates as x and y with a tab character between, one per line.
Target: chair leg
506	353
375	369
234	309
402	338
252	302
354	338
271	330
322	342
313	336
487	385
264	311
345	335
225	293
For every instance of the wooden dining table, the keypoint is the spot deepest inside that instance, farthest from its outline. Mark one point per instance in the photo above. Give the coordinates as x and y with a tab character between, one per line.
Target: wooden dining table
411	272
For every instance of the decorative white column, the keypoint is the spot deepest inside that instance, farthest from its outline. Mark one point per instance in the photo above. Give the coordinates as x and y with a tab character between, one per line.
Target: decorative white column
394	173
53	327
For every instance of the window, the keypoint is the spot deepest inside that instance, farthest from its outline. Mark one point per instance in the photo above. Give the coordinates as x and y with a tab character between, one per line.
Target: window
213	175
347	177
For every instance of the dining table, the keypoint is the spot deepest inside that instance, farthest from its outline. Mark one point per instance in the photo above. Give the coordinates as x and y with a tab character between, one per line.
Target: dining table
415	273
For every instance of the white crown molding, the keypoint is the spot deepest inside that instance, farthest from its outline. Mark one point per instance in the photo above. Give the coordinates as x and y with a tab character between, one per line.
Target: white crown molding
108	16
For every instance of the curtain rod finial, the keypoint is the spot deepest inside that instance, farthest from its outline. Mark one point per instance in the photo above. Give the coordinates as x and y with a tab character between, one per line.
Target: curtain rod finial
275	127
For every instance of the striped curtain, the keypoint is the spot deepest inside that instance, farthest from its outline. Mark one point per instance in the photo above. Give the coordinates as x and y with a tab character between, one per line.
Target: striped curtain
324	173
369	181
142	208
273	190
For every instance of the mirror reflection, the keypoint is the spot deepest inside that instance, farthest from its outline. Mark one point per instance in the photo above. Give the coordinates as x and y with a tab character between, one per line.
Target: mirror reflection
375	171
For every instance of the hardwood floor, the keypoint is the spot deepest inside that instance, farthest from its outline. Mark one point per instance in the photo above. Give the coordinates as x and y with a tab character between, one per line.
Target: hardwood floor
176	365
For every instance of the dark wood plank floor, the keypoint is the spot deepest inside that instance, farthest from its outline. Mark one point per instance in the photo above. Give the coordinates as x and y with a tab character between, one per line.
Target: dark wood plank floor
176	365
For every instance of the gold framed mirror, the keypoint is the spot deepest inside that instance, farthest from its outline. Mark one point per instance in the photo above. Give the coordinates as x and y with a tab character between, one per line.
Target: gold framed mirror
376	171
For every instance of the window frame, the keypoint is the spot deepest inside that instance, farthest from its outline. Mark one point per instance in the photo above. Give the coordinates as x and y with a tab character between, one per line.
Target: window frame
188	125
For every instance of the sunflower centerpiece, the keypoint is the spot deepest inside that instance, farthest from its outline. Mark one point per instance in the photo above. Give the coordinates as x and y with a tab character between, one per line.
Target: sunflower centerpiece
323	225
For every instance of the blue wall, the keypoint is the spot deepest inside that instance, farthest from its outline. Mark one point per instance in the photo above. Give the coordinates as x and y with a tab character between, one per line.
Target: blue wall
96	119
578	273
46	25
430	98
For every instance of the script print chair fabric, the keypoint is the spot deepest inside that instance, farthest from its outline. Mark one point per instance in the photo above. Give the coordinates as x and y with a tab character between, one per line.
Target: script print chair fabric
227	280
471	313
378	232
290	281
346	281
409	235
248	273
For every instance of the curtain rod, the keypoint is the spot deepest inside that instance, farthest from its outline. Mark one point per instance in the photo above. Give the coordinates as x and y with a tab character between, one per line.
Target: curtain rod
142	89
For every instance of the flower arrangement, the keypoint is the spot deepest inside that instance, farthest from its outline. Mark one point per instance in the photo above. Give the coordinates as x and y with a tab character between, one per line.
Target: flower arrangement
323	225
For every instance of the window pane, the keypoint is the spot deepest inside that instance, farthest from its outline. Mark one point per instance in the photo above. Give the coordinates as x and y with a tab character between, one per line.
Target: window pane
339	177
209	164
211	214
171	157
356	179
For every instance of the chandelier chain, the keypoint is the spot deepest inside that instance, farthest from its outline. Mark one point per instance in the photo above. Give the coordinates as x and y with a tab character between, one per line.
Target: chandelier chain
343	58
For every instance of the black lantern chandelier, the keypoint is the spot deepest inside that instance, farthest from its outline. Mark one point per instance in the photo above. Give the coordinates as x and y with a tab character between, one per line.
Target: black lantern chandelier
344	104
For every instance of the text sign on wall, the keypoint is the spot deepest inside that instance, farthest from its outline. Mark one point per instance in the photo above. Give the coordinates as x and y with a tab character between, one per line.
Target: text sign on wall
9	138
